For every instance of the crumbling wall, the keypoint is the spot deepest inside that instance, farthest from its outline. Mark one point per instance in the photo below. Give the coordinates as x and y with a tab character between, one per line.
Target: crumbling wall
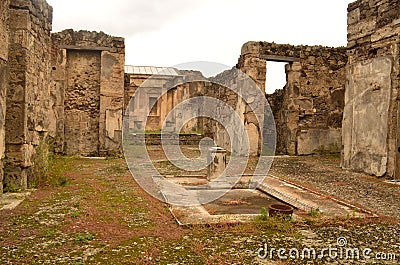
82	102
4	32
88	92
176	112
137	102
170	90
28	97
235	89
371	121
308	112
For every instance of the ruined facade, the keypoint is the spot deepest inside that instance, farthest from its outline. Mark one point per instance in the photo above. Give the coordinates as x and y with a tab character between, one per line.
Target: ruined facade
308	112
371	134
59	92
244	96
67	92
88	91
153	93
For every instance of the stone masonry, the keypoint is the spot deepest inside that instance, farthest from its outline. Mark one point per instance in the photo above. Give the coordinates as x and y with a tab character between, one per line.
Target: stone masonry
28	95
65	92
308	112
161	92
4	40
371	124
88	91
239	92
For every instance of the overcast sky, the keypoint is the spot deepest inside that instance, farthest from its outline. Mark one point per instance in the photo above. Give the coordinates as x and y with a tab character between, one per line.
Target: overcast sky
172	32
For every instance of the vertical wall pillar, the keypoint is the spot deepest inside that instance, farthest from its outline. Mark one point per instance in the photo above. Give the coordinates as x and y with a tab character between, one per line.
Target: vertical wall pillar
28	96
4	78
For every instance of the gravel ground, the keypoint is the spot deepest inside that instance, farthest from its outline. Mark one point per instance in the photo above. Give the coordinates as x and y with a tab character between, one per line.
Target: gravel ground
324	174
101	216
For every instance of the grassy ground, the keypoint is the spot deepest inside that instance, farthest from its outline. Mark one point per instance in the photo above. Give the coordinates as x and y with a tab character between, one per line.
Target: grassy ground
101	216
97	214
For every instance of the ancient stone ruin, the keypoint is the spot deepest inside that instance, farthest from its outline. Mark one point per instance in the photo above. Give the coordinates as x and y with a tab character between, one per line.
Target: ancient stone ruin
87	82
371	123
67	93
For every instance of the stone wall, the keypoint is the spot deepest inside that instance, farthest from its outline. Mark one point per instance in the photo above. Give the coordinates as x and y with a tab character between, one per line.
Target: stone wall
308	112
28	96
82	102
238	91
88	92
4	32
371	134
138	101
169	91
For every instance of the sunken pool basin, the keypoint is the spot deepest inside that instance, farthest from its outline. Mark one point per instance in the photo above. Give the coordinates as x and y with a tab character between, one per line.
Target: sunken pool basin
242	201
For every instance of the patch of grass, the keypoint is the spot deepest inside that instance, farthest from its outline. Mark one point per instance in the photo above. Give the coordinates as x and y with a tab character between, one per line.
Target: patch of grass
57	167
75	214
12	188
274	224
84	238
49	233
49	168
314	213
117	169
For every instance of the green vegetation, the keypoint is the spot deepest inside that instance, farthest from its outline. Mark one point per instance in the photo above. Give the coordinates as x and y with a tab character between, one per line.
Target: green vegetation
314	213
49	169
75	214
84	238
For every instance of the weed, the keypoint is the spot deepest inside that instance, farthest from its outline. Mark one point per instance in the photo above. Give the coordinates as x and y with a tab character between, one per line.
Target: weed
273	224
50	233
12	188
84	238
314	213
263	214
75	214
354	213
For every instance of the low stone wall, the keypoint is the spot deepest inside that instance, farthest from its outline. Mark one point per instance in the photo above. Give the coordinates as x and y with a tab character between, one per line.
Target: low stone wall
155	139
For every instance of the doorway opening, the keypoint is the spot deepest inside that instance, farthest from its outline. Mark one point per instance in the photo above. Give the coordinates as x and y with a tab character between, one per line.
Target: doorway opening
276	76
